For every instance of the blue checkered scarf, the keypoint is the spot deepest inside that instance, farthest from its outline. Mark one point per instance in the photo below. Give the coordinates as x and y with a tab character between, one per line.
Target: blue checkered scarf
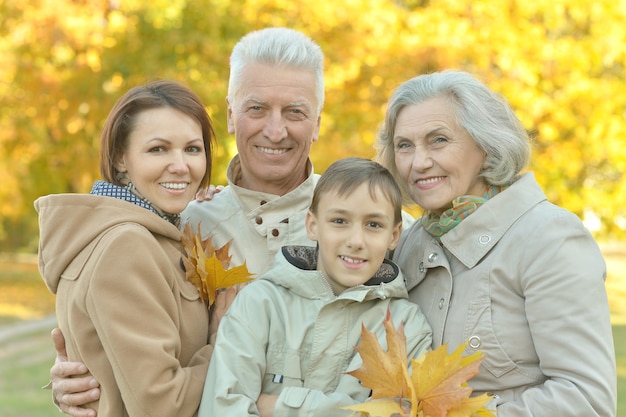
107	189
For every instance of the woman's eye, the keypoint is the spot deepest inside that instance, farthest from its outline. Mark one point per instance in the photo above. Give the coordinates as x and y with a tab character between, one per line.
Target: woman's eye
194	149
156	149
403	145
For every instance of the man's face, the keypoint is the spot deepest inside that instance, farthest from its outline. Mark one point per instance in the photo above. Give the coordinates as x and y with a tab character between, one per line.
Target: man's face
275	120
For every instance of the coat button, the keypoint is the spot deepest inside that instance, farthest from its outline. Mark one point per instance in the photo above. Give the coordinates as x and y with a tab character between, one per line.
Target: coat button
258	220
484	239
275	232
441	303
432	257
474	342
421	267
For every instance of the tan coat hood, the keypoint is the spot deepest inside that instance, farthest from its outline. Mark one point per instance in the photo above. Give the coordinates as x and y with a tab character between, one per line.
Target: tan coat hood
69	223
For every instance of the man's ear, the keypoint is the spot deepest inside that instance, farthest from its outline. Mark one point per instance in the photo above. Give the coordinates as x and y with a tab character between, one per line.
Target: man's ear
316	132
395	236
311	225
229	117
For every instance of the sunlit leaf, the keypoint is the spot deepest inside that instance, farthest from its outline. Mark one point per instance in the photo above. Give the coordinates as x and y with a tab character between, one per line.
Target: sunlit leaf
437	387
209	268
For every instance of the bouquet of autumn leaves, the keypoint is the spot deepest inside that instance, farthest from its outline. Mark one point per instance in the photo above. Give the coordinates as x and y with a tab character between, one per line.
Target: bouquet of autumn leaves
437	386
208	268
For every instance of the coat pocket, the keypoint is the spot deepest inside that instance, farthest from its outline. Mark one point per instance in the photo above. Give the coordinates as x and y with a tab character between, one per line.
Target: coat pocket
480	335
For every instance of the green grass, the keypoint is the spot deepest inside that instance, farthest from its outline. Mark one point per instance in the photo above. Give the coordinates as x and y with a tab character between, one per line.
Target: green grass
24	368
25	359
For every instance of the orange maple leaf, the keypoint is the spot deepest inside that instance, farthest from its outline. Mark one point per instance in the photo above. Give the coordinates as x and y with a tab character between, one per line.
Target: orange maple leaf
208	268
382	371
437	387
440	381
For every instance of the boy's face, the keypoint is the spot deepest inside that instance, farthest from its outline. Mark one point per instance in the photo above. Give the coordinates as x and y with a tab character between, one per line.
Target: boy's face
354	232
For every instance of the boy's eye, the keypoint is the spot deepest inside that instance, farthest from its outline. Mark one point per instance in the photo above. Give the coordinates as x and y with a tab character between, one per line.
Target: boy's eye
338	221
374	225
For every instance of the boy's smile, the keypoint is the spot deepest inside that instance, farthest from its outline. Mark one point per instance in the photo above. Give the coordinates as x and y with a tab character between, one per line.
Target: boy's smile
354	232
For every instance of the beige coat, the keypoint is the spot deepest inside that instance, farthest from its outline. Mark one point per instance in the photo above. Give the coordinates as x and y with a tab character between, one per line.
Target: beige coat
523	281
123	302
287	334
259	224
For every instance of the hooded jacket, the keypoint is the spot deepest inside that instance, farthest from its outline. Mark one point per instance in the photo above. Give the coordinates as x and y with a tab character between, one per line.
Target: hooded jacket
521	280
287	334
124	304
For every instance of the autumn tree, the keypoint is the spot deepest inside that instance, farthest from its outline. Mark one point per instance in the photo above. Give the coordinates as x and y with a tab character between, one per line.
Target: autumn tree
560	63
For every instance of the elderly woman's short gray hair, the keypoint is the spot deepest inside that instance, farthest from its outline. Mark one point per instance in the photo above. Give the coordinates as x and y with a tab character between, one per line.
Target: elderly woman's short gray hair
485	115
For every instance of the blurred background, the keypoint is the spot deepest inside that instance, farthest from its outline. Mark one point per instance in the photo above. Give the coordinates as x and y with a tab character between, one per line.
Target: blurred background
63	63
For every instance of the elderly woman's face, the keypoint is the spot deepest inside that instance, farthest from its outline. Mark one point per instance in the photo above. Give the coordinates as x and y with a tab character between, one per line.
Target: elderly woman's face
437	158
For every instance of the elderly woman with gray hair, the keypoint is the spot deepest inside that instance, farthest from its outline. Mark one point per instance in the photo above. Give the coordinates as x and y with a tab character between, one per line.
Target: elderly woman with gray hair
492	263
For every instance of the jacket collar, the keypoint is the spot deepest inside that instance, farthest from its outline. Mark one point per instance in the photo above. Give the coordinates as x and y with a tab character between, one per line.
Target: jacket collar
305	257
475	236
307	282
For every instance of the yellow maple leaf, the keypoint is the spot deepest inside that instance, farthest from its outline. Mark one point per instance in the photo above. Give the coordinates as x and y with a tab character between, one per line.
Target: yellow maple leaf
440	381
437	386
382	371
208	268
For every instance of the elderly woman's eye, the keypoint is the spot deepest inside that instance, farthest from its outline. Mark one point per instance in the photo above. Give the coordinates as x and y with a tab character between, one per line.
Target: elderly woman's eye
403	145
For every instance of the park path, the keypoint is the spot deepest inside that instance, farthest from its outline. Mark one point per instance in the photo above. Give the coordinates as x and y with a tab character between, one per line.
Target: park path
26	342
22	328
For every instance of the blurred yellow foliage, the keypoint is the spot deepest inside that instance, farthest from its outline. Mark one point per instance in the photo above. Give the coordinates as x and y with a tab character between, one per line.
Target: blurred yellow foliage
560	63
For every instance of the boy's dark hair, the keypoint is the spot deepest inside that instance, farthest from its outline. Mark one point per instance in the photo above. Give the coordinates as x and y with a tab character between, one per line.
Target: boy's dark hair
345	175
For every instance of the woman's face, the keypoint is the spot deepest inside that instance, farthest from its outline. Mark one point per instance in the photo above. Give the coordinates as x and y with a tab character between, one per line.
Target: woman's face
436	157
165	158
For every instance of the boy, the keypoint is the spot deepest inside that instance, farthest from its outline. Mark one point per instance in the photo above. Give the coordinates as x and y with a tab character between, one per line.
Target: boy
288	339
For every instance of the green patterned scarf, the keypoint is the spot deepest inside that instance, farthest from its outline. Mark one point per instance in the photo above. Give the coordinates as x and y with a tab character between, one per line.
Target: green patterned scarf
438	225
